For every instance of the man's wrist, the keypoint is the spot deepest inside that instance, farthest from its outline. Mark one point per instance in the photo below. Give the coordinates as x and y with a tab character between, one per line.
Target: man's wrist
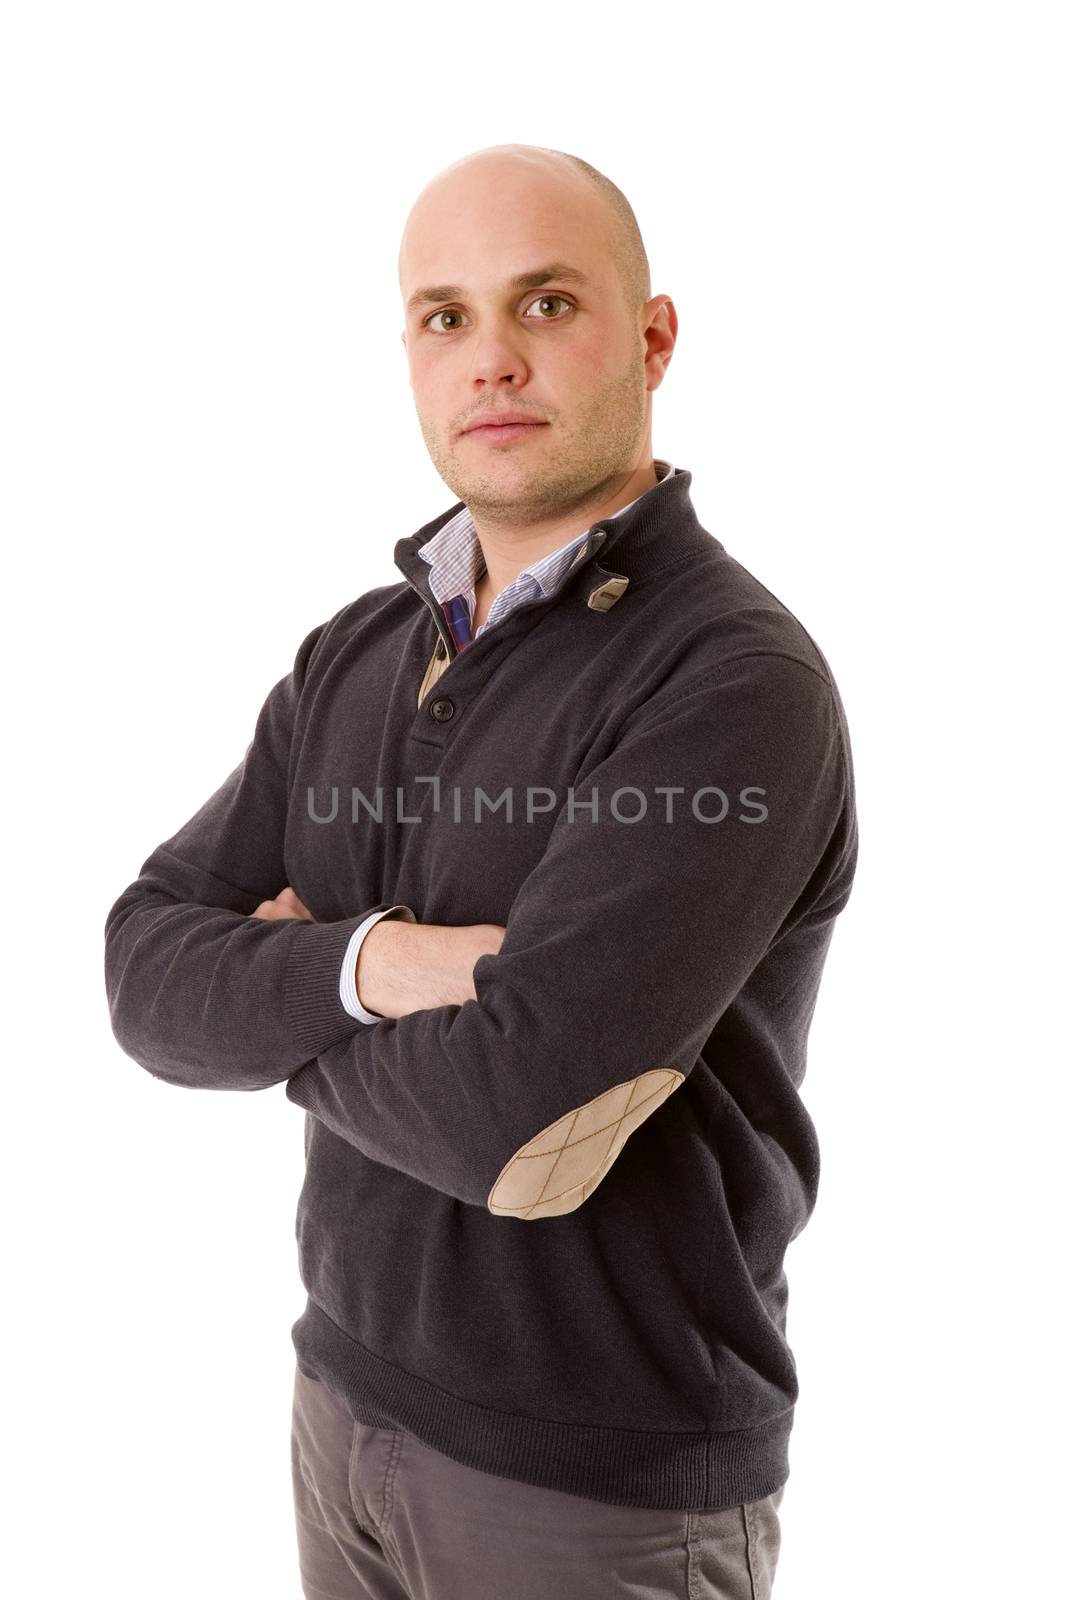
362	981
375	963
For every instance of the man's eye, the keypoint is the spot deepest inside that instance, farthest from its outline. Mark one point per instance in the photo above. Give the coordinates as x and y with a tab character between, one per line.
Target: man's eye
540	301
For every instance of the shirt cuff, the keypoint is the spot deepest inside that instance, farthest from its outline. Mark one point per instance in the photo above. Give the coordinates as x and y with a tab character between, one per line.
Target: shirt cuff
349	997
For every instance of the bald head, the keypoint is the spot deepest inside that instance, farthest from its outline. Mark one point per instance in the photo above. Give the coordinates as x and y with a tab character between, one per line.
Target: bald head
602	215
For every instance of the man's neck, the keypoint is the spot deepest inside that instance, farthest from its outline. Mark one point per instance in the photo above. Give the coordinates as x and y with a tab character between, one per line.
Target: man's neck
483	600
508	554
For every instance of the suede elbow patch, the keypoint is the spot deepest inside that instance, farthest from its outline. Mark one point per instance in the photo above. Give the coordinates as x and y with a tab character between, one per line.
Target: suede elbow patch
557	1170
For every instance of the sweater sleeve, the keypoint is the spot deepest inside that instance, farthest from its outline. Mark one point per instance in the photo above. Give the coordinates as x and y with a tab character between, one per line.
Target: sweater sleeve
623	948
200	993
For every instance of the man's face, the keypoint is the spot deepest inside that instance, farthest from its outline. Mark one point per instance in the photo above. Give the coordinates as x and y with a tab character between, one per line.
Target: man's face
566	353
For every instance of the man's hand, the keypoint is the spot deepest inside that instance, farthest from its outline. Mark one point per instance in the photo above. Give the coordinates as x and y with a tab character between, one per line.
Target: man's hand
416	966
287	904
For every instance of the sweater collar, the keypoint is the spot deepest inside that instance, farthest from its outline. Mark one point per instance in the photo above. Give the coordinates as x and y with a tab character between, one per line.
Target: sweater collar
455	554
658	529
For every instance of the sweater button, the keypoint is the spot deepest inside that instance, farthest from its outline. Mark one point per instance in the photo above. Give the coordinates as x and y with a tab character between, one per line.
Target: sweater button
441	710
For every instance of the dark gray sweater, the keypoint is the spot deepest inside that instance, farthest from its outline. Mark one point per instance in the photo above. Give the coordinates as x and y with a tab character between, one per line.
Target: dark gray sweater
543	1231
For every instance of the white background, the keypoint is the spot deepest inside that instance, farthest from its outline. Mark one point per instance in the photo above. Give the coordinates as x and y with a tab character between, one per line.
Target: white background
210	445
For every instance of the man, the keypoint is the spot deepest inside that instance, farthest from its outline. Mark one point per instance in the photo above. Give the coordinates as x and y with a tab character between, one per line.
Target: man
524	888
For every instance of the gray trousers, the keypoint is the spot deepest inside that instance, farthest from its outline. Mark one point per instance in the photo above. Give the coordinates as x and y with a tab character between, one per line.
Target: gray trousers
380	1514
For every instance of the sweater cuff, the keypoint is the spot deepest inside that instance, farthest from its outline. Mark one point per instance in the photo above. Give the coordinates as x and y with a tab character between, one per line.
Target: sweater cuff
312	999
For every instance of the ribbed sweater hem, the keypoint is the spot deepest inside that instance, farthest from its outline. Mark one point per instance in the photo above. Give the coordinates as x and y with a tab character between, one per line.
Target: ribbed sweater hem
621	1466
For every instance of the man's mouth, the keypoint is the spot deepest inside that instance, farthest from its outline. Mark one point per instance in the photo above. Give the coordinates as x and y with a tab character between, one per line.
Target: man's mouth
504	433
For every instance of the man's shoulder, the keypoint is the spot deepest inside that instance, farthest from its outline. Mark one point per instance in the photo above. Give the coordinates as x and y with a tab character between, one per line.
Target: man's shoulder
728	614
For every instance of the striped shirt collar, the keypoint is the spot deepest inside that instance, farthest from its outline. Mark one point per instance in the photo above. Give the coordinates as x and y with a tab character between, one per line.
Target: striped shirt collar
454	556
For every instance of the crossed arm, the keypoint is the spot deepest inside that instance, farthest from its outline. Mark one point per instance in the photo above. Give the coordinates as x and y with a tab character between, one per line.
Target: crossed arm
507	1069
404	966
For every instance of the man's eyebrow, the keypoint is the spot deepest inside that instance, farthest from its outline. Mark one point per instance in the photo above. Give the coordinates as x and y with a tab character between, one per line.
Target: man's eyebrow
560	271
